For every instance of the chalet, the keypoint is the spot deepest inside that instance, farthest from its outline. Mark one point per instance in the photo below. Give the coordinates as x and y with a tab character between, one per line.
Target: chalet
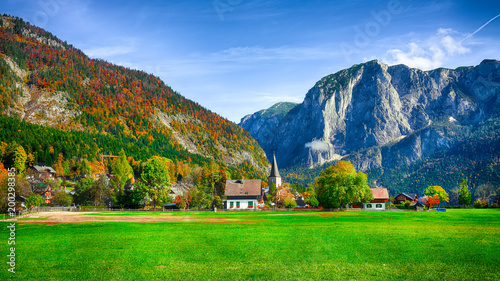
41	173
405	196
380	197
243	194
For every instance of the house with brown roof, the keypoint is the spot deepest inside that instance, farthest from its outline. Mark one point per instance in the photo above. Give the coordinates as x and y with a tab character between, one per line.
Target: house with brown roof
380	197
243	194
405	196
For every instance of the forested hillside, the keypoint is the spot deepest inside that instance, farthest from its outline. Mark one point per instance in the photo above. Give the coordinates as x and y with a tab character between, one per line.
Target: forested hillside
85	107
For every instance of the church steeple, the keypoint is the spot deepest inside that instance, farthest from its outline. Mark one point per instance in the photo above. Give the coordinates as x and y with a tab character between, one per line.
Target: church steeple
275	174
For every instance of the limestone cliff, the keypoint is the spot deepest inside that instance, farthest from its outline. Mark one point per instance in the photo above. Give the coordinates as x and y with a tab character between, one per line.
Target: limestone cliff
374	114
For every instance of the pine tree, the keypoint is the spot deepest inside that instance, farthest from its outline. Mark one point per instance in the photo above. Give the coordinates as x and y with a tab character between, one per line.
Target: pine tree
464	196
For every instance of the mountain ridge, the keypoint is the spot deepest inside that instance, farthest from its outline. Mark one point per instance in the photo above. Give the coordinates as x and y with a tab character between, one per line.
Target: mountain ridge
362	113
48	82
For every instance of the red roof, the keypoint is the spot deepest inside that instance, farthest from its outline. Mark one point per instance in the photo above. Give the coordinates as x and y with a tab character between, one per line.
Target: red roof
380	193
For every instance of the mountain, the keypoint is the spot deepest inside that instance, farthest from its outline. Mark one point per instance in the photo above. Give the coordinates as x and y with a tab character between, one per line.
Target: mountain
391	121
50	83
264	122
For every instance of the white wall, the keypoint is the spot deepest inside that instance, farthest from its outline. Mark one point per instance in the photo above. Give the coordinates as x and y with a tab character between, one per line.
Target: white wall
243	204
374	206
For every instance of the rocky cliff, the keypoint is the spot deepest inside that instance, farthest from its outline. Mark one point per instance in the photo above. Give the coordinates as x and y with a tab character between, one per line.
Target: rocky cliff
377	115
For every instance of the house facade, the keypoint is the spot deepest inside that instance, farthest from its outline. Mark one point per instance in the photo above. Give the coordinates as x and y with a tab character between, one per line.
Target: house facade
405	196
243	194
380	197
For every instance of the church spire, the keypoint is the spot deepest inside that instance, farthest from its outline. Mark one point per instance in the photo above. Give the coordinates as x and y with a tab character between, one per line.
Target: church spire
274	168
274	177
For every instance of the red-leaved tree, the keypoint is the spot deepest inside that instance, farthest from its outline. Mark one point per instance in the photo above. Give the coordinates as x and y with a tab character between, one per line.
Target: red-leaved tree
430	201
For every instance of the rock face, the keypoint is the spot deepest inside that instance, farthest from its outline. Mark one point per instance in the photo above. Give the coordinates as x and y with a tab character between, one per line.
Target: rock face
262	124
373	105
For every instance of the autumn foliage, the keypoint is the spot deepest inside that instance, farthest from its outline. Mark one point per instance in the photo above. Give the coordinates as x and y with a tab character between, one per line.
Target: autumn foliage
113	99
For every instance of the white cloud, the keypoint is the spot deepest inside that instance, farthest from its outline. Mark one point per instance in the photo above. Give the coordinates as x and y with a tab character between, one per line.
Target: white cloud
429	54
318	145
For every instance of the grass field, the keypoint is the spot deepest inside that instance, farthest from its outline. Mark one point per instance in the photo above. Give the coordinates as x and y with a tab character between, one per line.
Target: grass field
456	245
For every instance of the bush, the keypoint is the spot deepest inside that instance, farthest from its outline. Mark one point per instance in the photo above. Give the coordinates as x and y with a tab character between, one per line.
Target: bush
480	204
407	204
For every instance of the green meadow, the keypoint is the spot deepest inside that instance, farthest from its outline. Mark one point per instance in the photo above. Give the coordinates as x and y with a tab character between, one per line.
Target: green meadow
452	245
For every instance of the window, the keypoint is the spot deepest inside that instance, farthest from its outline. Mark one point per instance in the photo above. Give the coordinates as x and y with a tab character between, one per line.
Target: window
368	206
250	204
379	206
237	204
231	204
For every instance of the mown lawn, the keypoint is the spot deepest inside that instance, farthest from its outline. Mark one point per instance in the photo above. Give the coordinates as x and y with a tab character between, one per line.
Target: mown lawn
456	245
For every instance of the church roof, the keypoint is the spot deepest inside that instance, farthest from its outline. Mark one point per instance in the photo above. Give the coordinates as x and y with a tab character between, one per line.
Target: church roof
274	168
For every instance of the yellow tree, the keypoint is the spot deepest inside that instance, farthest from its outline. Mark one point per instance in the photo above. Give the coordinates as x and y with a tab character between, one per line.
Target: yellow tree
59	165
439	191
20	158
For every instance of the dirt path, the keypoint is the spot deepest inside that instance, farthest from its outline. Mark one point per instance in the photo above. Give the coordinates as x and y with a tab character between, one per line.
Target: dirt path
51	218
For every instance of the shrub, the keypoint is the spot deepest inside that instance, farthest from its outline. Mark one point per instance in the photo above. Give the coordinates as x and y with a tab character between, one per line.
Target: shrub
480	204
407	204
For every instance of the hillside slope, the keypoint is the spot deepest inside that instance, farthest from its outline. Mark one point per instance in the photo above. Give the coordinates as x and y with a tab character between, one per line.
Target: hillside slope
48	82
393	120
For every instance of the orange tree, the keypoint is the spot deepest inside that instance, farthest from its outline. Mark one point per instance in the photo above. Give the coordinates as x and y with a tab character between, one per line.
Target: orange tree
430	201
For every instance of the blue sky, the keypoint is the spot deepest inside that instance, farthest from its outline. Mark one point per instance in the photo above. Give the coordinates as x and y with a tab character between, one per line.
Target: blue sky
235	57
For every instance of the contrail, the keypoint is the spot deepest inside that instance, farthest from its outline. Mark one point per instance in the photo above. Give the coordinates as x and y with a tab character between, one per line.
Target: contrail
479	29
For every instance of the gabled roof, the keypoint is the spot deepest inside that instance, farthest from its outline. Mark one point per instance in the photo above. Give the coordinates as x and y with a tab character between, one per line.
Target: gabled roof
380	193
243	188
274	168
408	195
44	169
300	202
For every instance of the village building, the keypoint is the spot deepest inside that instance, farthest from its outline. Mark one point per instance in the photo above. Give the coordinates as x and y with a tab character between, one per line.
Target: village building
179	189
274	176
380	197
405	196
243	194
41	173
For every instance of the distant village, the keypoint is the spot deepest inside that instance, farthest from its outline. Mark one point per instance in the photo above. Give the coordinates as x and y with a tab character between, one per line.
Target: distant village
239	194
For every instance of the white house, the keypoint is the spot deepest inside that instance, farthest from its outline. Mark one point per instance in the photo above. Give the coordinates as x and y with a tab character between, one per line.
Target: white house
243	194
380	197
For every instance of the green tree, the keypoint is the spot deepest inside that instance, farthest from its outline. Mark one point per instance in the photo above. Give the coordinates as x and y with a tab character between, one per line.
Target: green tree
85	168
313	202
83	191
122	171
340	184
133	197
34	200
214	176
289	203
464	194
61	198
100	192
155	175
